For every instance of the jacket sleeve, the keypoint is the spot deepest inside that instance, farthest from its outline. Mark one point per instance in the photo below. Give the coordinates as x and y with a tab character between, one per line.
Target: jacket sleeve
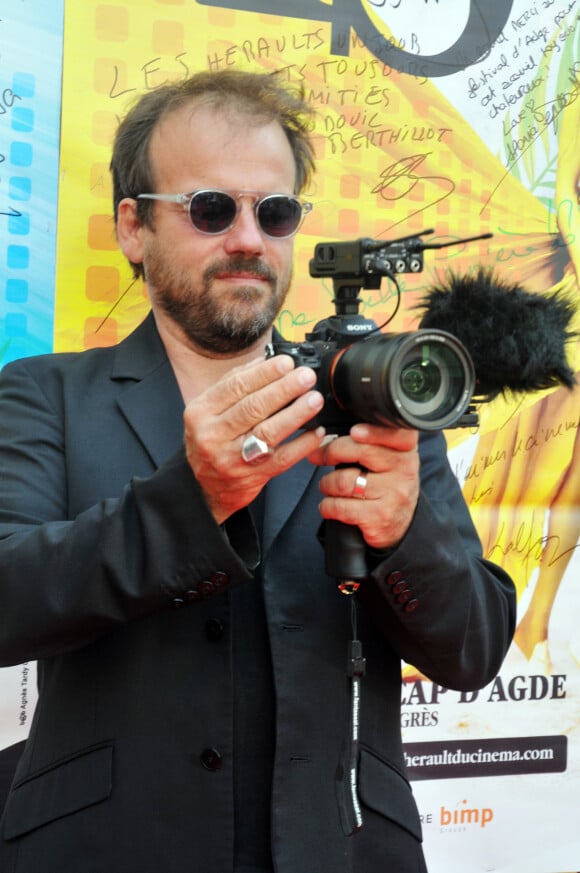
66	582
444	608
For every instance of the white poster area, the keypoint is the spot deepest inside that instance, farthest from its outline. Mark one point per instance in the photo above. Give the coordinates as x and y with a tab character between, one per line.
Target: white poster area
502	795
496	773
17	702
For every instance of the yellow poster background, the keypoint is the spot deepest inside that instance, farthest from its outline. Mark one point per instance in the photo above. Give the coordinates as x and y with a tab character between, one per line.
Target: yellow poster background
394	157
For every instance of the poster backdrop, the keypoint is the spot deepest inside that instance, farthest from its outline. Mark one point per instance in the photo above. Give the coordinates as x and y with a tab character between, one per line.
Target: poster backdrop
452	115
31	43
30	100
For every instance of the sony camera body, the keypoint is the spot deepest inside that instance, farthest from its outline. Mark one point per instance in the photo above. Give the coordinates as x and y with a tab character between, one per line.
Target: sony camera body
421	379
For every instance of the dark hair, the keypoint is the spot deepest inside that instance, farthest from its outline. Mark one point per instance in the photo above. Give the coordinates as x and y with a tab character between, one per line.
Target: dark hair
260	96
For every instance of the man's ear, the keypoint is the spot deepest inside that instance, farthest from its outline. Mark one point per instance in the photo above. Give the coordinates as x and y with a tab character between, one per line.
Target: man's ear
129	230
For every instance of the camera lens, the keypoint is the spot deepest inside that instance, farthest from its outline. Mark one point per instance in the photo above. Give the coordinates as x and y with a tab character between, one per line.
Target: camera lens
431	379
420	380
423	379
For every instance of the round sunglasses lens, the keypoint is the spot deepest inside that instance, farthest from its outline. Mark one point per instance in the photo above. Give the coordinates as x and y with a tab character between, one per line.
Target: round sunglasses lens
279	216
212	211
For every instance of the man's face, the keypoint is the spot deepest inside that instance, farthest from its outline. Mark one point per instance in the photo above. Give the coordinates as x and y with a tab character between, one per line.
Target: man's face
223	290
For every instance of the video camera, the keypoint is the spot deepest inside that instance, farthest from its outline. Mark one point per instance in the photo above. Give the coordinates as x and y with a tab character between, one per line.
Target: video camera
423	379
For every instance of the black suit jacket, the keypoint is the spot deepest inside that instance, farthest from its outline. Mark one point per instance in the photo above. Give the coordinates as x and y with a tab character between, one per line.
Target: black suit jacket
114	575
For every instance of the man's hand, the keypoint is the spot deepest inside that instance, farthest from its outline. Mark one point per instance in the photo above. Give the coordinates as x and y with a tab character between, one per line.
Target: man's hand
389	459
270	399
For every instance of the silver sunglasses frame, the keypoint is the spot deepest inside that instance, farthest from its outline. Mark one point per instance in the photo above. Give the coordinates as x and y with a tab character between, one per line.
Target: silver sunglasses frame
257	197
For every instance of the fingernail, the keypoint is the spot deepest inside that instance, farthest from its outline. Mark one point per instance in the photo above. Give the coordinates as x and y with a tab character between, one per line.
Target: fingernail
306	377
284	363
360	431
315	400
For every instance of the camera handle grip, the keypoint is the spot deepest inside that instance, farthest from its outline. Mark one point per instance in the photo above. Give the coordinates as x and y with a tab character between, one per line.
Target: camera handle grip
345	555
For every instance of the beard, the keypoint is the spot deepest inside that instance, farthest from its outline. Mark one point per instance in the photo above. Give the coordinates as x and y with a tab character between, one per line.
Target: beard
218	323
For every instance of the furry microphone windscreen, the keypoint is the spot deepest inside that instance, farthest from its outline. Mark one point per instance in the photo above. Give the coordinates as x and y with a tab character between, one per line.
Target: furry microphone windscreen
517	340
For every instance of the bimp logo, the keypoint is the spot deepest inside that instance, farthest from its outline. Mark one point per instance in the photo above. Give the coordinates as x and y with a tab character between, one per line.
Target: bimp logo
462	815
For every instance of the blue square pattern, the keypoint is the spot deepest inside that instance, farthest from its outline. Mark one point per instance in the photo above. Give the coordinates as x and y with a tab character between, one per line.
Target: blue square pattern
16	291
22	119
21	154
18	257
19	224
20	188
15	324
24	84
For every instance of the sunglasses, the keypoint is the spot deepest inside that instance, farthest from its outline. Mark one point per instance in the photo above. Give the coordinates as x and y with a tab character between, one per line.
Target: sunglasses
212	211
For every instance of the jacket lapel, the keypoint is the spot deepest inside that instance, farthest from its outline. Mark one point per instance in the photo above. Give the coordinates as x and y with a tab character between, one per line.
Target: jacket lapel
281	499
283	494
149	399
151	403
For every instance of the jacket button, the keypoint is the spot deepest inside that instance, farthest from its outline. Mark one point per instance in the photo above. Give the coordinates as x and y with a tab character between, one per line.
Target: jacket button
206	588
219	579
394	577
191	595
211	759
412	605
405	596
214	630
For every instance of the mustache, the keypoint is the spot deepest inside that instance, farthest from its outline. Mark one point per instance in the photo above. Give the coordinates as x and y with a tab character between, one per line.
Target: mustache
241	265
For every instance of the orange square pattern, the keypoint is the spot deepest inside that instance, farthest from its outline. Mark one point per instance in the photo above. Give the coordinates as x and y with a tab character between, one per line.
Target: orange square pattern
102	283
168	37
112	23
349	186
100	180
109	76
348	221
101	233
99	334
217	17
103	128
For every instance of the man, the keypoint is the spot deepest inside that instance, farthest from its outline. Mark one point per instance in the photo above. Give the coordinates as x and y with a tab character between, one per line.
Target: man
158	512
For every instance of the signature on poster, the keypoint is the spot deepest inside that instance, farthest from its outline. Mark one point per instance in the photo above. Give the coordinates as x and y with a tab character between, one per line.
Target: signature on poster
7	100
488	19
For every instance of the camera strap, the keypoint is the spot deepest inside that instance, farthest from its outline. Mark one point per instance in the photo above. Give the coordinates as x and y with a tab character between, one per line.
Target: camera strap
347	771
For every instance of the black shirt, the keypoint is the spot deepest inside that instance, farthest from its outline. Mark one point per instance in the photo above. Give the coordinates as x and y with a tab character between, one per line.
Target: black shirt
254	723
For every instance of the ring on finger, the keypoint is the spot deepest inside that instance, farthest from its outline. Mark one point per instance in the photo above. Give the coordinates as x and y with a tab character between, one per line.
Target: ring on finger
360	486
255	450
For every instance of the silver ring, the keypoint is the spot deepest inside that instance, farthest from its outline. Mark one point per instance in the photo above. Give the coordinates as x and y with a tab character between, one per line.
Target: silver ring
254	449
360	486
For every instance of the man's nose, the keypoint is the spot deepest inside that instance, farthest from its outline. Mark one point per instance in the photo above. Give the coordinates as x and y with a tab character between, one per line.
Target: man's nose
245	234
